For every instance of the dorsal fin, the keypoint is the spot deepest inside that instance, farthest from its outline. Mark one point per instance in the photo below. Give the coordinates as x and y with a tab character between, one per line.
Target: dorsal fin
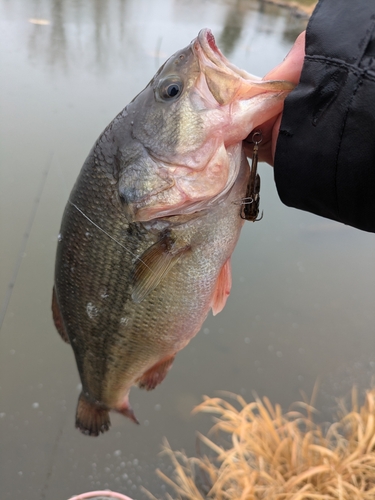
154	264
222	290
57	318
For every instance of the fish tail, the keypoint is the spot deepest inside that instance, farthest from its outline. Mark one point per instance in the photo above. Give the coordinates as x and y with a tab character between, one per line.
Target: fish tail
91	419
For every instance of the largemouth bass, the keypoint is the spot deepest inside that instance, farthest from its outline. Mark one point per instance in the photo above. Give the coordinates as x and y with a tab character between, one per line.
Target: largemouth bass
147	234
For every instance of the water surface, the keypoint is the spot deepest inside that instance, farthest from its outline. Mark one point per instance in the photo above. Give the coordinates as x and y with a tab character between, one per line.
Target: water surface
302	302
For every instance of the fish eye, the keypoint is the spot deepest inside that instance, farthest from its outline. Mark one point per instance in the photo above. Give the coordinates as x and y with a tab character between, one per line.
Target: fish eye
170	89
173	89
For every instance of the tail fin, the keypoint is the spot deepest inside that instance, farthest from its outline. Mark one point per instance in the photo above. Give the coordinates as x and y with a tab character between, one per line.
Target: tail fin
91	419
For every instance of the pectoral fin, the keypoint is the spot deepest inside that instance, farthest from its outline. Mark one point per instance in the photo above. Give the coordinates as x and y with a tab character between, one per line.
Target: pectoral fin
222	290
153	265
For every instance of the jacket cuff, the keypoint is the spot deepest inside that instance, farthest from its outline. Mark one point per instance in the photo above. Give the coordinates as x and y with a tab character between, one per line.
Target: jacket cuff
325	154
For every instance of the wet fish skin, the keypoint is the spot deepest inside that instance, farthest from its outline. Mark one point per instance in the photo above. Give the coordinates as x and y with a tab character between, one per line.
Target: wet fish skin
149	228
113	338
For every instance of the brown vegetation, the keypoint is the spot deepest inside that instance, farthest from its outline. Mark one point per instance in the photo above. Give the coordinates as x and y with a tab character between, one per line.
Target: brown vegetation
265	454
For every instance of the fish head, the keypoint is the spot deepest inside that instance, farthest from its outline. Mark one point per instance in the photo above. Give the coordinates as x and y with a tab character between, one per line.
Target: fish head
187	128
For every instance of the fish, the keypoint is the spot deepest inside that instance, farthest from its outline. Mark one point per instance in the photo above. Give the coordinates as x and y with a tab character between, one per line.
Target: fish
147	235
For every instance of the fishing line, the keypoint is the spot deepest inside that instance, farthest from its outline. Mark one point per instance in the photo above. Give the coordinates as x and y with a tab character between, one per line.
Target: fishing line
110	236
25	239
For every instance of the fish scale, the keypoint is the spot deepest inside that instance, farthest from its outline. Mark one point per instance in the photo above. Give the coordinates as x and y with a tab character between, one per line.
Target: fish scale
106	264
151	223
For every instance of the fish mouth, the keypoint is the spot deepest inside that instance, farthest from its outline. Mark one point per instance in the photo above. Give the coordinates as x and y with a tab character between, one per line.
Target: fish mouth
225	81
207	43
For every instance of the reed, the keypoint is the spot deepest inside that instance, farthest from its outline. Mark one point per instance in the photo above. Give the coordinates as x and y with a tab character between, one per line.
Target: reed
256	452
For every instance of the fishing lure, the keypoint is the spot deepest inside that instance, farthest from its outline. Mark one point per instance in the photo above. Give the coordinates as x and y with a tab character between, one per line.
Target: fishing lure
250	204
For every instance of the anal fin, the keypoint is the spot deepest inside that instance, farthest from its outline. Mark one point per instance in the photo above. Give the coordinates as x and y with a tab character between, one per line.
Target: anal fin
128	412
222	290
91	419
156	374
57	318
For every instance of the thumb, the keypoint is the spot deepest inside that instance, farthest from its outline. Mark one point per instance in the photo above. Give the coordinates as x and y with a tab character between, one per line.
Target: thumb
290	69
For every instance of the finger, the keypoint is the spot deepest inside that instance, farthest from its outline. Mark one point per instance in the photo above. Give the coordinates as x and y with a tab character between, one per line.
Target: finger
264	151
275	135
290	69
265	145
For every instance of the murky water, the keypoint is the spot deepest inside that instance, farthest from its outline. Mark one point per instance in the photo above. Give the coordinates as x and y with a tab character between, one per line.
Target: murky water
302	303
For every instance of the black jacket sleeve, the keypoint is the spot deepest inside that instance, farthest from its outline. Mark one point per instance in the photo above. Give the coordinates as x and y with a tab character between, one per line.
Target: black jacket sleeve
325	154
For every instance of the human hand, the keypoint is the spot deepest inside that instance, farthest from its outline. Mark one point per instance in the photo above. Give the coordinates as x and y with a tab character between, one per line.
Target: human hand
290	69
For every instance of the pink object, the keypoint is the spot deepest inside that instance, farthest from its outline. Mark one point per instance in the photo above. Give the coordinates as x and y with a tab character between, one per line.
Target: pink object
103	493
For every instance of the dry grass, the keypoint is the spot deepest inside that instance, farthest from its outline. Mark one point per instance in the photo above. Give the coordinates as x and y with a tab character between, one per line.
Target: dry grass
265	454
